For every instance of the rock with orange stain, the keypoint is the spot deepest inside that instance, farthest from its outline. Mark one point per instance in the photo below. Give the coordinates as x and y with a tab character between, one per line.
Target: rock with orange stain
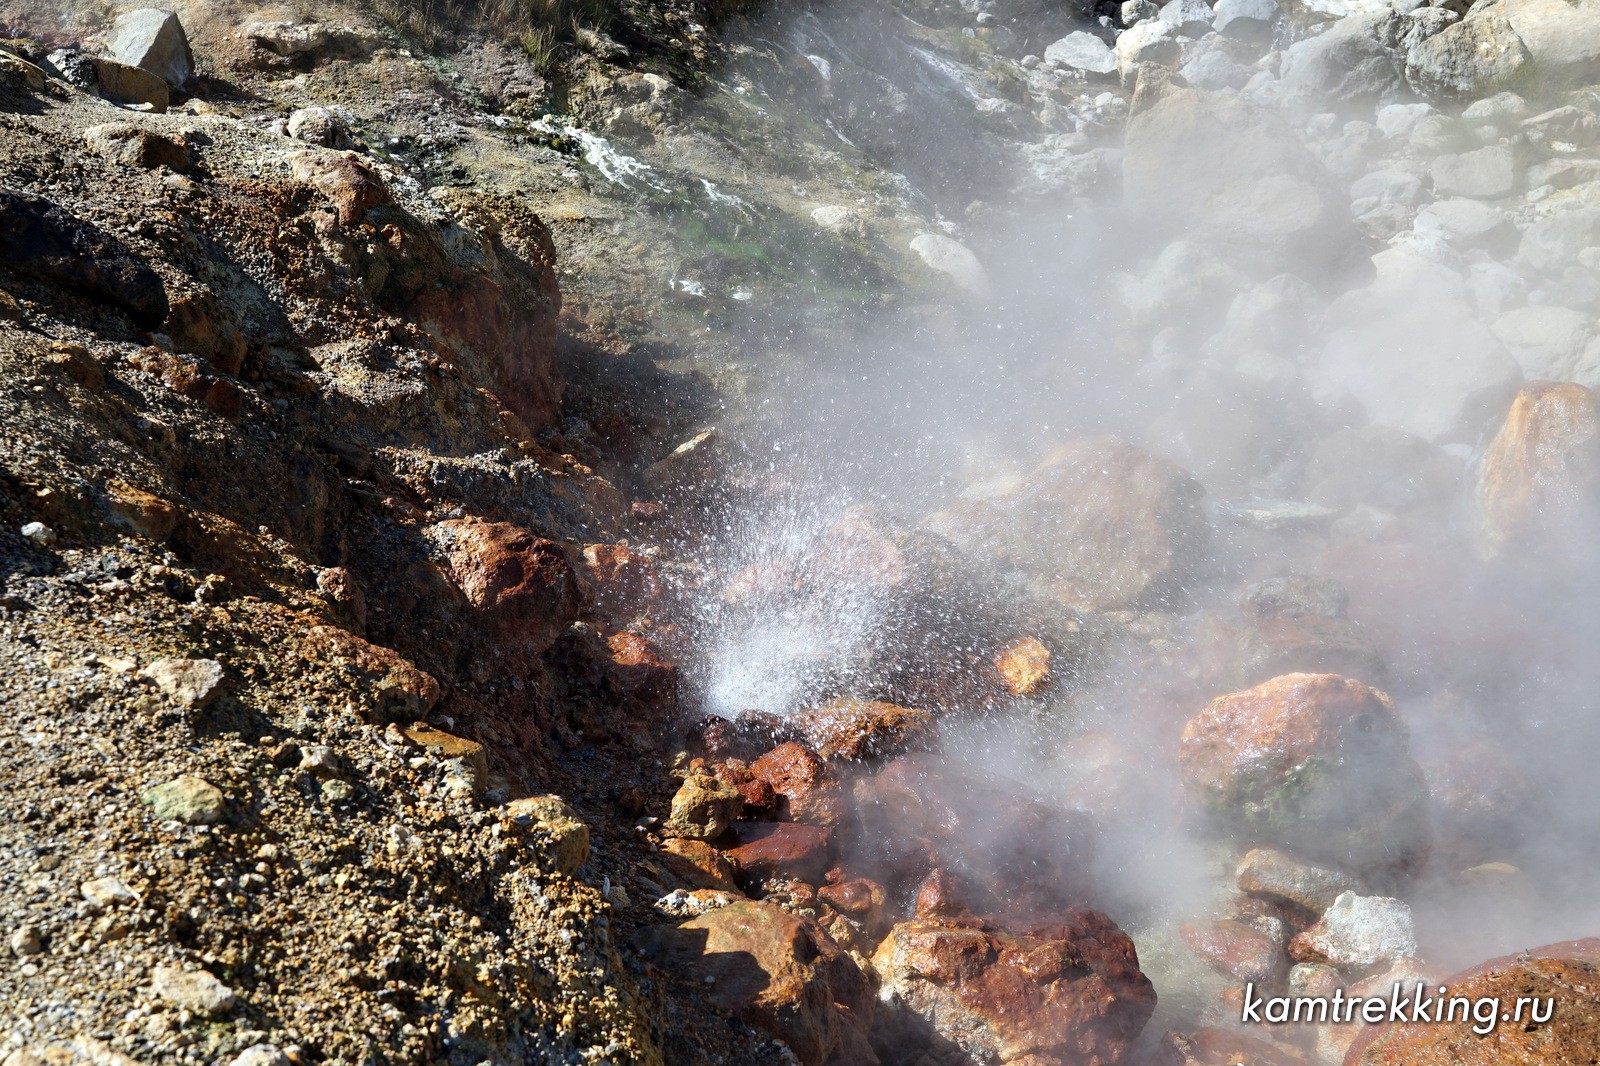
1567	972
698	864
398	690
862	729
345	178
521	584
1316	763
145	513
626	585
809	790
760	801
1024	667
764	850
1540	480
638	670
1064	991
777	972
858	897
1237	950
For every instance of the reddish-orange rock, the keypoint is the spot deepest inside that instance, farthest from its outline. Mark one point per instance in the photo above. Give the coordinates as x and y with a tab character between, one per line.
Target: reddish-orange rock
764	850
1540	480
522	584
810	792
1567	973
1235	950
858	897
399	691
1024	666
1316	763
779	973
862	729
698	864
626	585
638	670
1056	992
760	801
941	895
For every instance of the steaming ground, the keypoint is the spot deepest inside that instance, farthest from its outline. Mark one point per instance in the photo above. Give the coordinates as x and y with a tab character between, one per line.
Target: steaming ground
1099	318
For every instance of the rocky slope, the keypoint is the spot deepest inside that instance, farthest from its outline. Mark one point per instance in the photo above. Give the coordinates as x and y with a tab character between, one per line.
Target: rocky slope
420	417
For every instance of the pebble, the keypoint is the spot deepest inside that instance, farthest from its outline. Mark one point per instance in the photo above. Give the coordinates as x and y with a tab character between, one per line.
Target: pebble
26	940
39	533
193	683
188	799
107	891
191	990
261	1055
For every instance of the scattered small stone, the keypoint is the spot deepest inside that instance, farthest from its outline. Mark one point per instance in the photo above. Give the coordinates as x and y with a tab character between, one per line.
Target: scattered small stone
194	683
26	940
188	799
337	791
107	892
261	1055
39	533
191	990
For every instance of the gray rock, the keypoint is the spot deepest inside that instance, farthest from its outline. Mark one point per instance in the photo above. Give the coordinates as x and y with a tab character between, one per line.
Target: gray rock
1467	224
1355	61
1191	17
1398	120
191	990
1472	58
1248	20
153	40
1151	41
128	84
1486	174
188	799
1212	68
1235	177
318	125
1561	38
1501	107
1269	872
1547	342
1438	135
1552	243
953	259
193	683
1135	11
1359	932
1384	187
1082	51
1409	349
1419	25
